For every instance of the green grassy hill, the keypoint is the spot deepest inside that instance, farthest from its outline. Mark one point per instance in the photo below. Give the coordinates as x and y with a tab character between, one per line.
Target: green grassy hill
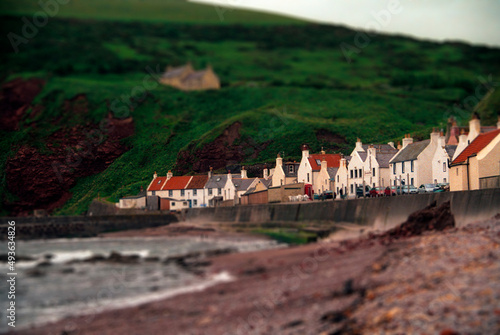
148	11
284	82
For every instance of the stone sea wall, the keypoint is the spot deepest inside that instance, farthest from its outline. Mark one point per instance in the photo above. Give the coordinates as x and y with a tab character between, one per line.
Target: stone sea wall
381	213
80	226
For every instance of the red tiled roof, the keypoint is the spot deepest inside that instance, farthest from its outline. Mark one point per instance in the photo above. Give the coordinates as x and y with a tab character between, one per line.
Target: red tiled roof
332	161
157	184
177	183
197	182
476	146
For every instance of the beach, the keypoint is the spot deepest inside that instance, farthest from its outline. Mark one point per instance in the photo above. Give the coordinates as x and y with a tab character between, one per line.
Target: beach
436	283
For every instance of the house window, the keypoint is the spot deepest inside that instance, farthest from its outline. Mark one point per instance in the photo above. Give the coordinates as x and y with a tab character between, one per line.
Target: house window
356	173
290	168
209	191
444	167
220	191
457	171
170	193
374	174
195	192
173	204
412	181
182	193
308	177
195	202
360	173
444	180
185	203
352	188
154	192
373	185
403	167
394	168
352	174
411	166
338	179
395	183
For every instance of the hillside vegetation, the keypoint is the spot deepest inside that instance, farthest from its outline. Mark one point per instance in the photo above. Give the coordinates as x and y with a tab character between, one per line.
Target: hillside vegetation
285	83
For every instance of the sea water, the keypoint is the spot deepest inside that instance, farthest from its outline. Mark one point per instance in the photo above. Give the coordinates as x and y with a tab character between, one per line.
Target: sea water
56	283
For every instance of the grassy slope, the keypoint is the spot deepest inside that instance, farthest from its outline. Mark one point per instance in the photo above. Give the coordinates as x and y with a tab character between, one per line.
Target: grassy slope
147	10
281	82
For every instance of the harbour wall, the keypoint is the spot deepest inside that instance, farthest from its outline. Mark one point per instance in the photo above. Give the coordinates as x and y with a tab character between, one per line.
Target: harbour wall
380	213
80	226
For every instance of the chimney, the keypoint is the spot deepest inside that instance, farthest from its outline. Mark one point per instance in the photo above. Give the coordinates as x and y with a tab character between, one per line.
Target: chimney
371	150
474	127
407	140
266	173
229	176
359	145
441	140
322	151
279	160
392	144
343	161
323	164
462	138
305	151
169	174
210	173
434	135
155	175
243	173
399	146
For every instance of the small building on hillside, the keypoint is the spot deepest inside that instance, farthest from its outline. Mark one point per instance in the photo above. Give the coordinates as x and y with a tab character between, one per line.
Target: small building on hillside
187	79
135	201
478	165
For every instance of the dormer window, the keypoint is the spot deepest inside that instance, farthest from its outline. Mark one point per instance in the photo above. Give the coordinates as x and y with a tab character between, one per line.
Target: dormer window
290	169
218	179
318	162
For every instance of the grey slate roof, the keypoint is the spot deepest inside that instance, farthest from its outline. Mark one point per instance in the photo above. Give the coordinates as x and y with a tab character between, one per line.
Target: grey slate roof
138	196
242	184
411	151
362	155
175	72
450	150
383	158
332	172
267	183
217	181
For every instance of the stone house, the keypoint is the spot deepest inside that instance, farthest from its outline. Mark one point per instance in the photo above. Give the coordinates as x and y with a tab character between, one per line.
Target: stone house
195	191
283	174
478	165
219	188
369	164
310	167
187	79
136	201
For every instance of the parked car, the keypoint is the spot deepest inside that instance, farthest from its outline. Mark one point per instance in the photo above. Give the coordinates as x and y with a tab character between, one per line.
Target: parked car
443	187
409	189
359	191
427	188
377	192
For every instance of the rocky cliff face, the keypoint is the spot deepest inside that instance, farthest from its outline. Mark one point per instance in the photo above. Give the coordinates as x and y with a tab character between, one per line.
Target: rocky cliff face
41	174
227	150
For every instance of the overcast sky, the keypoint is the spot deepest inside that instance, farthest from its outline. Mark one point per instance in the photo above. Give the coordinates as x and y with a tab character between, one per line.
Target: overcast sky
474	21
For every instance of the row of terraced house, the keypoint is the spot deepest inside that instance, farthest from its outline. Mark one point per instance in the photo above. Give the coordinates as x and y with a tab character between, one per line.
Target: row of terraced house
467	158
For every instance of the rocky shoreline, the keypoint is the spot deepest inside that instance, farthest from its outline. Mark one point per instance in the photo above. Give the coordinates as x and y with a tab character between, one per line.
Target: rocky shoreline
436	280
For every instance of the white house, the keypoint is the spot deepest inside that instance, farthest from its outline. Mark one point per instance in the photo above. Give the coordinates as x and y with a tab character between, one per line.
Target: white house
441	161
342	176
219	188
310	167
369	165
195	191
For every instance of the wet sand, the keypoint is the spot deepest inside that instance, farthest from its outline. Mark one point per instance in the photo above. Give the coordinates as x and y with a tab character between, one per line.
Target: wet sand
437	283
